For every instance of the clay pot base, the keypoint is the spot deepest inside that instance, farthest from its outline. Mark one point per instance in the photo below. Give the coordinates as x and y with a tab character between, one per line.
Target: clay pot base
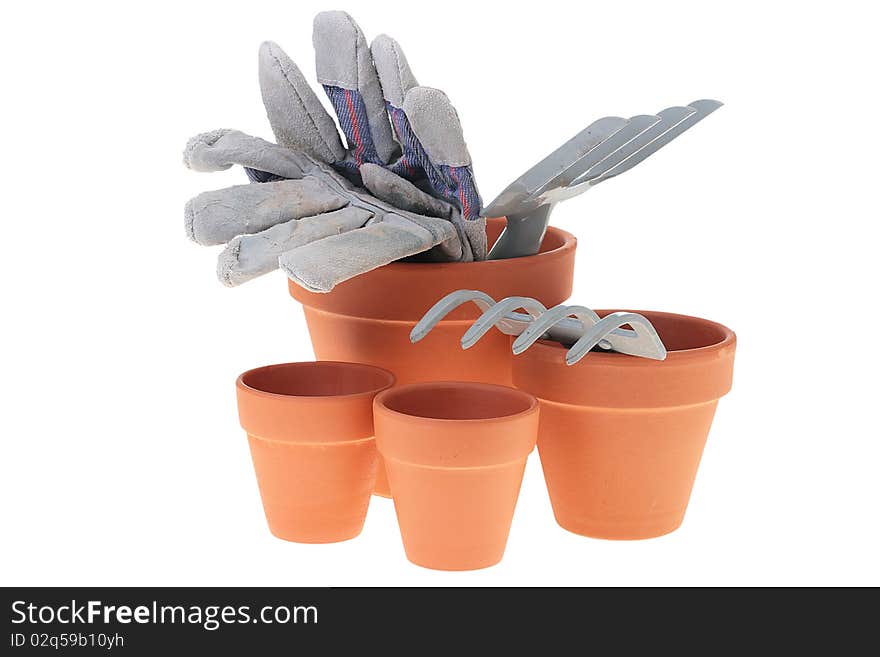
476	537
315	493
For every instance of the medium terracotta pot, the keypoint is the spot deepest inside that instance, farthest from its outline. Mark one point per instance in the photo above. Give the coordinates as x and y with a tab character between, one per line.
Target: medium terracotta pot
310	430
621	437
455	454
368	319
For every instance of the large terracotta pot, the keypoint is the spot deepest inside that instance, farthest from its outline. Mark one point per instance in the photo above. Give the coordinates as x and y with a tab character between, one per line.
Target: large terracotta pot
368	319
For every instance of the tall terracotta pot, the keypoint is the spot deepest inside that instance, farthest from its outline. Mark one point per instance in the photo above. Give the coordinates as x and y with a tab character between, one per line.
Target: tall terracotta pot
621	438
368	319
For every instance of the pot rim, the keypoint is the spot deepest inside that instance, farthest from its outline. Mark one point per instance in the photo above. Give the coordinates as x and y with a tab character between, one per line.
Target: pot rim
390	380
379	402
404	290
569	242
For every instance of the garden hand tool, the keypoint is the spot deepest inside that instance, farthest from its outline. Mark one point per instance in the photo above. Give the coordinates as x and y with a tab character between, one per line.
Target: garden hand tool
326	213
576	326
602	150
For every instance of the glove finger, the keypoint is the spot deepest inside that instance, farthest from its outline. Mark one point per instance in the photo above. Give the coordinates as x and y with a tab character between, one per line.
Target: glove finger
401	193
475	238
216	217
345	69
220	149
436	124
441	150
395	75
296	115
397	79
321	265
249	256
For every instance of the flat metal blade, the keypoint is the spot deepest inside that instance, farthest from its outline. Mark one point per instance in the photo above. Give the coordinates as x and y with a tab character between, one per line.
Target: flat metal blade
560	160
636	126
701	109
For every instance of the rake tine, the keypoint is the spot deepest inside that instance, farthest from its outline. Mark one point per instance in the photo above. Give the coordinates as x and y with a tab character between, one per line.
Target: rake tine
545	322
642	340
445	306
496	316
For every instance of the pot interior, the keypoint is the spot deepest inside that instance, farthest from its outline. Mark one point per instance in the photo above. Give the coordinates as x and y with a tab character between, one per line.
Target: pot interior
457	401
319	379
680	332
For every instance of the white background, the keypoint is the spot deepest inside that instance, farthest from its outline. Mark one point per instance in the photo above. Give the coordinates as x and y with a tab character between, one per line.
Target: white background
123	462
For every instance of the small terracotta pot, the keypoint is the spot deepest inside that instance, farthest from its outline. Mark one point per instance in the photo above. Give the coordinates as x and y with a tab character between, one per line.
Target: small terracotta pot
621	437
310	430
368	319
455	454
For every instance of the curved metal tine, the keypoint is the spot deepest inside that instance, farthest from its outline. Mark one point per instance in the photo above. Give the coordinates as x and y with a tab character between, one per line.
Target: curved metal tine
445	306
669	119
554	164
495	316
702	109
566	331
636	126
645	342
542	324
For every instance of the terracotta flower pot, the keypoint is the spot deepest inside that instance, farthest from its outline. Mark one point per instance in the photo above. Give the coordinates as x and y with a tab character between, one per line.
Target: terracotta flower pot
621	437
455	454
310	430
368	319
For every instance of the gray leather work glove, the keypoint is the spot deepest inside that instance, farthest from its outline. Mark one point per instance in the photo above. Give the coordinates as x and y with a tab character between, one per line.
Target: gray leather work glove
325	213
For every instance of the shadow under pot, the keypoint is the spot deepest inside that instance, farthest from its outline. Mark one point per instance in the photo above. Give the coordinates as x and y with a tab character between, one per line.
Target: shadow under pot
368	319
310	431
620	437
455	454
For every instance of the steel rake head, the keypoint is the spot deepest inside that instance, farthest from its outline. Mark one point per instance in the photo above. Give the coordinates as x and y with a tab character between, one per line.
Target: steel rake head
577	326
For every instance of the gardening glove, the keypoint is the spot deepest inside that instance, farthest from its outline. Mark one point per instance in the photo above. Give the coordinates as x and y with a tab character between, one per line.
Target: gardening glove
325	213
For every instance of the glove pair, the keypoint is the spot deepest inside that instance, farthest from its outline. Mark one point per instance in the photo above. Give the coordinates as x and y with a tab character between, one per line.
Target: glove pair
325	213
